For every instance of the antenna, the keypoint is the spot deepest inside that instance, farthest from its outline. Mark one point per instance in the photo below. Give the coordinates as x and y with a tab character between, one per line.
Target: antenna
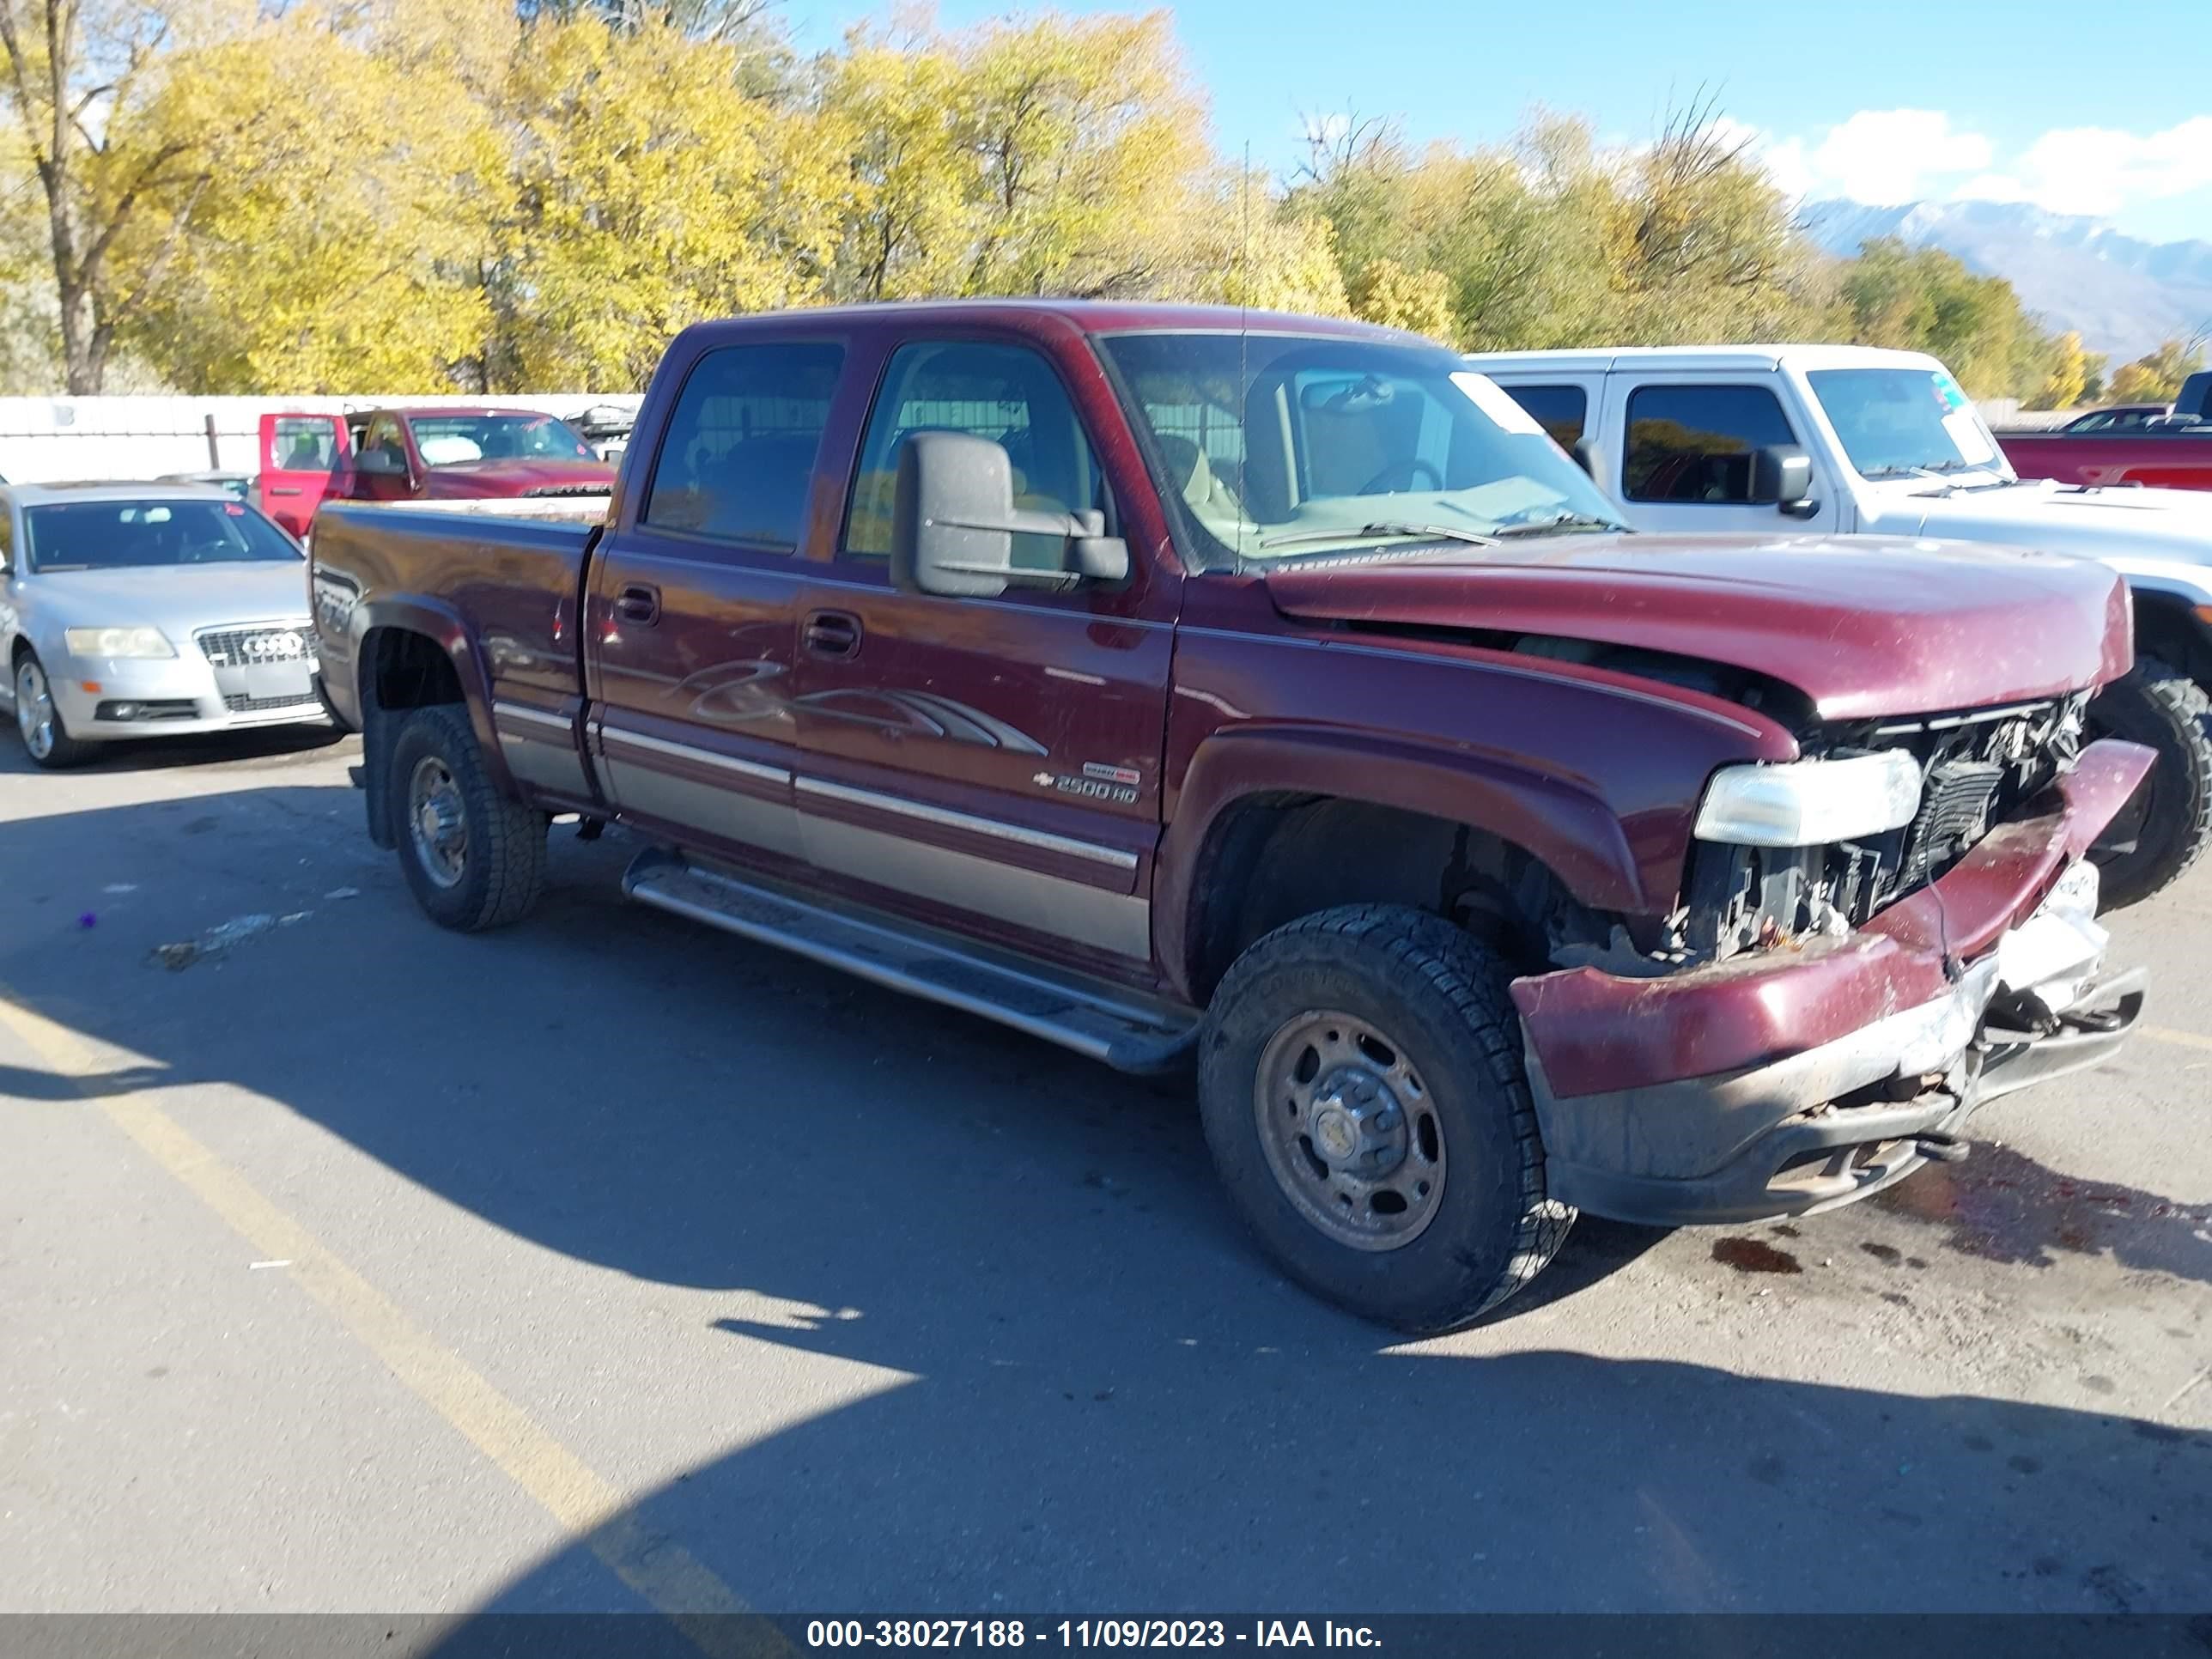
1243	322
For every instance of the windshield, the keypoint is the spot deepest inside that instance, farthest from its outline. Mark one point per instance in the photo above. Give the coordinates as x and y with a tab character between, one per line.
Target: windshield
127	535
457	440
1900	422
1276	446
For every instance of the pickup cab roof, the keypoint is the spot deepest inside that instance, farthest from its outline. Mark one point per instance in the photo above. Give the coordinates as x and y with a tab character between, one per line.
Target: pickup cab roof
1087	316
1702	359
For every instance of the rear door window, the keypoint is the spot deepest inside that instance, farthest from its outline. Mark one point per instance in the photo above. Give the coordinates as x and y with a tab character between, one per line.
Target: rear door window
1694	443
736	461
1008	394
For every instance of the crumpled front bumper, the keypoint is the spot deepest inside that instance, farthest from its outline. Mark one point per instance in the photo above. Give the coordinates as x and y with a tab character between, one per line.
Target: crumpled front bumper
1799	1079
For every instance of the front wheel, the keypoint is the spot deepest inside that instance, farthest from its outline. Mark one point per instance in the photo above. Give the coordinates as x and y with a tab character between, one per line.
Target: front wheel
474	857
39	722
2166	824
1362	1089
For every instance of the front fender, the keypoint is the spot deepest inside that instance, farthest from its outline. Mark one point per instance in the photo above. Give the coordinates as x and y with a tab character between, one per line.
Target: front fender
1557	819
2191	584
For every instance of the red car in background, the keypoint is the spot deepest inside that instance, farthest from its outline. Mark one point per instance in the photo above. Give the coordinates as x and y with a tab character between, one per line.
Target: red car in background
2127	444
421	455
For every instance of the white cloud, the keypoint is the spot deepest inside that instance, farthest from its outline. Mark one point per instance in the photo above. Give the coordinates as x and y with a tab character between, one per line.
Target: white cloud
1886	157
2100	170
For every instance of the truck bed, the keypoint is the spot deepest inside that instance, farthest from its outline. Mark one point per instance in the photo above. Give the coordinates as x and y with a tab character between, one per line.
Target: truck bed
516	580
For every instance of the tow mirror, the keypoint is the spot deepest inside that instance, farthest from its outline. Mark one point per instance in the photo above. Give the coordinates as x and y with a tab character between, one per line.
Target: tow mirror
954	521
1782	475
380	464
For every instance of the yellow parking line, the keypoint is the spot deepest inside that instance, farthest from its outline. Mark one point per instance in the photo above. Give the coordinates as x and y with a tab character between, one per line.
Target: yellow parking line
2180	1039
667	1576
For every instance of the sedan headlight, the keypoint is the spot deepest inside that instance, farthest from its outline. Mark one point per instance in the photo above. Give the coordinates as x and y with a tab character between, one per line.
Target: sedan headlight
117	643
1809	803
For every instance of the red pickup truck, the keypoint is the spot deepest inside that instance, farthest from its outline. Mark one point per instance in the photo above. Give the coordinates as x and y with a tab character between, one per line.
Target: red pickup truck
1271	694
2173	454
432	453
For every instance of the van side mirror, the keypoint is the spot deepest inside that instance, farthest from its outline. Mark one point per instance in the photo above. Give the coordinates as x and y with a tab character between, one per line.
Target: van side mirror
1782	475
954	521
1585	456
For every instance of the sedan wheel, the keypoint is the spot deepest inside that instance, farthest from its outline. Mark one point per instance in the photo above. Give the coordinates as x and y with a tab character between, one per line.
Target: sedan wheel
39	723
34	709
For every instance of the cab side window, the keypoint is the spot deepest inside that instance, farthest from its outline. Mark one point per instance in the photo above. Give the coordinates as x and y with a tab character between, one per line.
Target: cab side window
1561	410
1008	394
305	444
383	435
1694	443
736	461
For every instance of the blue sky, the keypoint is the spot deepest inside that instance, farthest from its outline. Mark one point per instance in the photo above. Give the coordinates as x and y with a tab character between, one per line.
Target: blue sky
2084	108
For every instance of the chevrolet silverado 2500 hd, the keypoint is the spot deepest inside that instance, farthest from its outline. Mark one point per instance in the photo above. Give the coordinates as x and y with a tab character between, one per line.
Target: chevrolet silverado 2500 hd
1265	692
1848	439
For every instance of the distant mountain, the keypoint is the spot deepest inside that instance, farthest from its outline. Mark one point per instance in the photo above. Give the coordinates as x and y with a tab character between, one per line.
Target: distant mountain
2125	295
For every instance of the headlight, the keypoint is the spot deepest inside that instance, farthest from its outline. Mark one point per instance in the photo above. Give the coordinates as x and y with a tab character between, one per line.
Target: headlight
117	643
1809	803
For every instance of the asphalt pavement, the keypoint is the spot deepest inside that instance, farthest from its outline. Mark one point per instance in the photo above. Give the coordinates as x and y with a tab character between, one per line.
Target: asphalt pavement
607	1263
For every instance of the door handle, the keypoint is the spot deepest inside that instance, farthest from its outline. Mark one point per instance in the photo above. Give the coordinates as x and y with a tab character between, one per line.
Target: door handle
283	489
638	602
834	633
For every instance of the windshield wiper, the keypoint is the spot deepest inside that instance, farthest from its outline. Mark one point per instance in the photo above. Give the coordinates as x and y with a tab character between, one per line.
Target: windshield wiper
1384	528
1566	524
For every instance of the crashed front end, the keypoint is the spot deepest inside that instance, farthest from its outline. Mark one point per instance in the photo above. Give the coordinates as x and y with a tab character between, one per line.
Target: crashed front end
1873	941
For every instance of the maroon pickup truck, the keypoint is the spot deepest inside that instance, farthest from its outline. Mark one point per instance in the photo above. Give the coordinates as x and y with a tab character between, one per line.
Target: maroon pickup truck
1271	694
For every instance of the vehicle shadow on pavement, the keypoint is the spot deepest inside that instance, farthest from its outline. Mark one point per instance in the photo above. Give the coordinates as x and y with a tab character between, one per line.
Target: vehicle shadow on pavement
1052	1370
174	754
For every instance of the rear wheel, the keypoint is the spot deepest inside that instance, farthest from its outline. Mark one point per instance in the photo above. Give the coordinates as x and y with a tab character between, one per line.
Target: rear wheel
40	722
1363	1093
474	857
2167	823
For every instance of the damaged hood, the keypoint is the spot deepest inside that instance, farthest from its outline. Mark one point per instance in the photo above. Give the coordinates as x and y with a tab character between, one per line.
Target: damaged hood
1864	626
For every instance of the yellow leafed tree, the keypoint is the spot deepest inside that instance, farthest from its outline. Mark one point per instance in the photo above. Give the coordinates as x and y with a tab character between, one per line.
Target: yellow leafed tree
651	188
333	245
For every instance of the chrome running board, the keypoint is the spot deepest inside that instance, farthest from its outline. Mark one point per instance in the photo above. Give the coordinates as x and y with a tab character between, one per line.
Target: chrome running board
1124	1029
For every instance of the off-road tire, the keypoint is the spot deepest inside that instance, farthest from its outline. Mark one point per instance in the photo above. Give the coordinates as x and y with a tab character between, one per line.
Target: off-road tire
65	751
503	871
1442	995
2158	705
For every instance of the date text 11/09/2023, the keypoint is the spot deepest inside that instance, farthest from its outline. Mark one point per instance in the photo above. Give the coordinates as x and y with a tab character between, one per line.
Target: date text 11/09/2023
826	1633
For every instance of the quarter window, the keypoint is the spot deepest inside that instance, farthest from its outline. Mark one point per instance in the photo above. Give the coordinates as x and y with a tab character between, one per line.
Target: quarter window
1561	410
1008	394
1694	443
737	462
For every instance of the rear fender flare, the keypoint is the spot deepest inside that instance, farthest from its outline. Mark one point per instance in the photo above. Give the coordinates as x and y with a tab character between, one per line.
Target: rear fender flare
1564	823
442	625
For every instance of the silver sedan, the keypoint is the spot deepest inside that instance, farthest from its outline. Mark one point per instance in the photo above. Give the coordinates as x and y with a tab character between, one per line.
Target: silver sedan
144	609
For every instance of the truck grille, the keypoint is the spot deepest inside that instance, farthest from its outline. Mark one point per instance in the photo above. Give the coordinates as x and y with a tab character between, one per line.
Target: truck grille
1954	813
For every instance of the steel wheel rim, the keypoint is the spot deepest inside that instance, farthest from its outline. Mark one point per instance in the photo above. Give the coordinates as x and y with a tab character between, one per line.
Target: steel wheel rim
1350	1131
436	822
34	710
